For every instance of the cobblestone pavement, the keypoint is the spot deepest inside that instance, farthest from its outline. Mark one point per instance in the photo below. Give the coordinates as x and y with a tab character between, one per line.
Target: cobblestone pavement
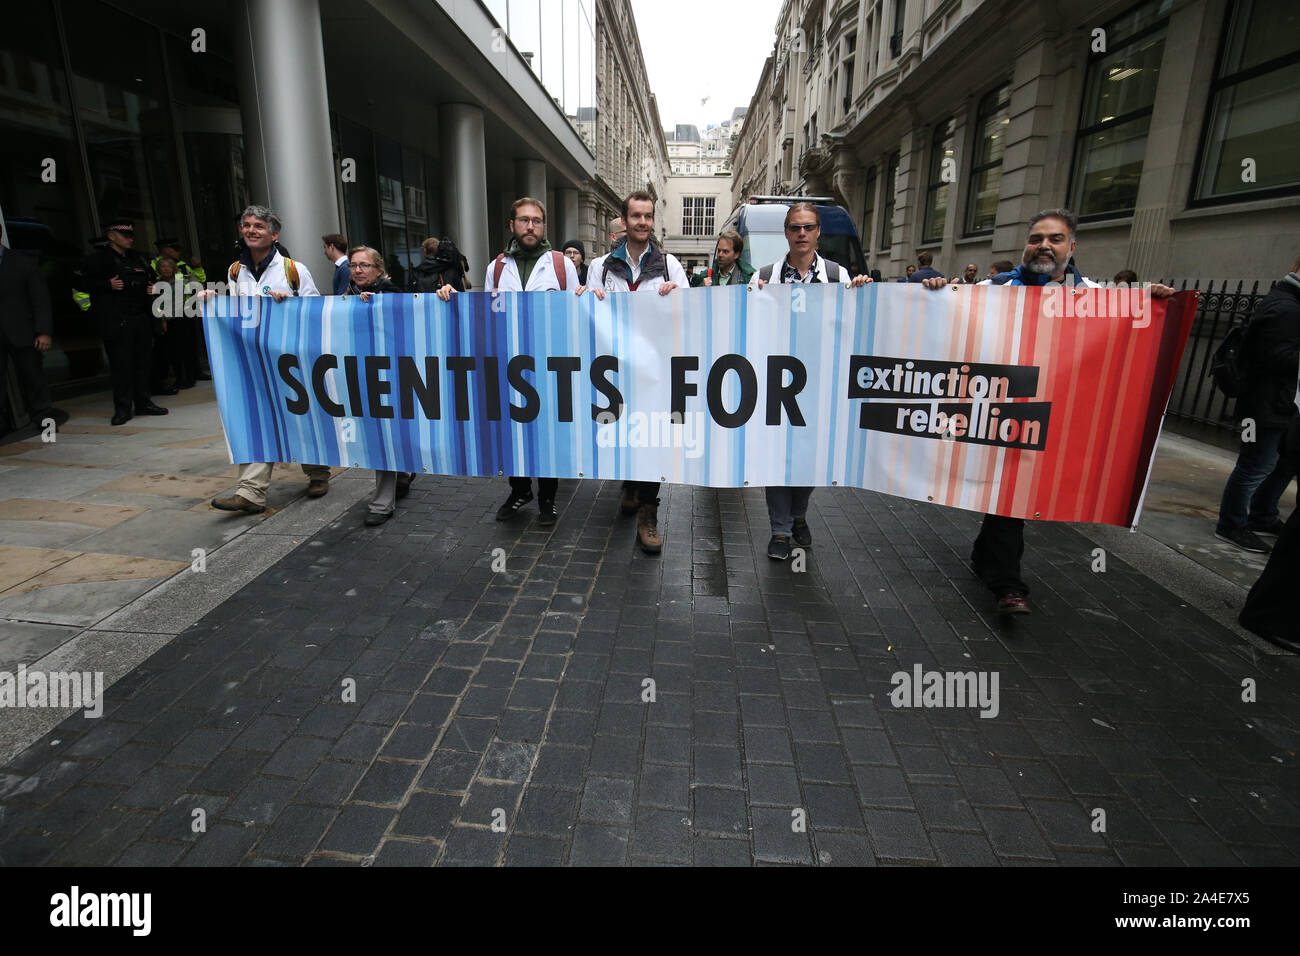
500	717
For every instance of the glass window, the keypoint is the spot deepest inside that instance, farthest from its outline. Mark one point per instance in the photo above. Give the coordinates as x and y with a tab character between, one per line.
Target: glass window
126	119
939	184
991	123
697	215
887	212
1119	90
869	208
360	198
53	219
1252	140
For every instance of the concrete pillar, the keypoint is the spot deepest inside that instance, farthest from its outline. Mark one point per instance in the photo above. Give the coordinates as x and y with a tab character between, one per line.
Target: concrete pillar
530	179
465	181
280	61
1025	152
567	224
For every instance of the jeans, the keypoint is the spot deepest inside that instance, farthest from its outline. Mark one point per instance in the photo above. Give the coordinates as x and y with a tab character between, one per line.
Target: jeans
784	505
996	555
1257	482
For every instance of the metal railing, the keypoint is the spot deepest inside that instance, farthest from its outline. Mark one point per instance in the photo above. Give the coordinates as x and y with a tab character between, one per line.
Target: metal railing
1196	399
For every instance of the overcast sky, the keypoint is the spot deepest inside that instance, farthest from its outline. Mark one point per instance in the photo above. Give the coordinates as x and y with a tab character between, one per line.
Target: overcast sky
704	48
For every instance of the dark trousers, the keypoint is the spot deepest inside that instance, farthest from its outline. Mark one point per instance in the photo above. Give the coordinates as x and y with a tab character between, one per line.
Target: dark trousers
996	554
177	350
546	487
1257	481
31	380
1273	606
130	357
647	492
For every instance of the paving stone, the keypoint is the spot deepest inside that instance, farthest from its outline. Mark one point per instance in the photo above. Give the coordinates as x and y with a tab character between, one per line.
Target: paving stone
599	845
898	835
776	840
428	815
718	810
295	832
357	830
607	800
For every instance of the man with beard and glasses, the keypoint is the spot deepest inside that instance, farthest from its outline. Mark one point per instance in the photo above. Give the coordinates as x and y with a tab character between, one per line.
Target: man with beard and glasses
529	264
1048	259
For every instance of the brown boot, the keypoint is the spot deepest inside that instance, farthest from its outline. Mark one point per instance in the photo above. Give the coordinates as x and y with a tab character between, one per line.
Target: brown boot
647	528
238	503
318	487
630	502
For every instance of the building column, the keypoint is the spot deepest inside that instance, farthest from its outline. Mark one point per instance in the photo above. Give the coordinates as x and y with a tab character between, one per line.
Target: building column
530	179
280	59
1025	150
566	214
465	181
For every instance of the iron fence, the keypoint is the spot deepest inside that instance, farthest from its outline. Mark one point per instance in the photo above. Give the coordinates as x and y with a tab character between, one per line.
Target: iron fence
1221	308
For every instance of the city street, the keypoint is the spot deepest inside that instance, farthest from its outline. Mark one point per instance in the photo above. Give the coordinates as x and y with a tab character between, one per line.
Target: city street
447	689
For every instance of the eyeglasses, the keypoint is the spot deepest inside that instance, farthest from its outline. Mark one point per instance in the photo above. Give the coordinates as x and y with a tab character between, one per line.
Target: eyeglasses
802	227
529	220
358	266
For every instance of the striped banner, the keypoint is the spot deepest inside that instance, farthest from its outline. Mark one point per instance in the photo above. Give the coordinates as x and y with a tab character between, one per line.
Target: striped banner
1027	402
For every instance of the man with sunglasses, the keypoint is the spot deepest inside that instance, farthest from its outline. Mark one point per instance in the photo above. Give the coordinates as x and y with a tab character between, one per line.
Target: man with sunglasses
120	284
787	508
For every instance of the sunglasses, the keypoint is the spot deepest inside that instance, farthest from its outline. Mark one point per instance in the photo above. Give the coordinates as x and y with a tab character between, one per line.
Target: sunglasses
802	227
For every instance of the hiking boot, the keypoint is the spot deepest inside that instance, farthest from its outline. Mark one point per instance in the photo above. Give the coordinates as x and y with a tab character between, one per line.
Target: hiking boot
1243	538
1013	603
1273	527
513	504
630	503
647	528
546	512
318	487
801	533
778	549
238	503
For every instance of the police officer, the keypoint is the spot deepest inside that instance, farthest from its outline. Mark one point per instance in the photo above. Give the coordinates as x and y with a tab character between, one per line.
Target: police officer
120	284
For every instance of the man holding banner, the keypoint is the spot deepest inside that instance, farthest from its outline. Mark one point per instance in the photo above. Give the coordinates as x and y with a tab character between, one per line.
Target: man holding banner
1048	259
262	270
787	508
529	264
639	265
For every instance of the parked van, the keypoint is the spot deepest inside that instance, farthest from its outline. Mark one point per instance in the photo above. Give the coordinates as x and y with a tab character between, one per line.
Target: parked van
761	223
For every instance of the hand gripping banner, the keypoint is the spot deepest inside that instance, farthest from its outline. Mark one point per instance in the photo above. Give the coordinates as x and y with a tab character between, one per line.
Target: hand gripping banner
1027	402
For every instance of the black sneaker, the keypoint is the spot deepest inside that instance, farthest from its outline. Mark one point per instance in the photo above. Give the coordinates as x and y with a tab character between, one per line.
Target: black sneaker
1272	527
778	549
546	513
802	534
512	505
1242	538
1013	602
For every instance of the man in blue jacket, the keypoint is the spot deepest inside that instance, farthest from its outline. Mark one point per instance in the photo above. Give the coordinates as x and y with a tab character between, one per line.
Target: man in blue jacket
336	251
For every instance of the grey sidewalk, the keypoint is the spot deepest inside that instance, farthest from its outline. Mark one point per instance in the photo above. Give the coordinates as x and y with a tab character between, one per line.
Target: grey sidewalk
499	717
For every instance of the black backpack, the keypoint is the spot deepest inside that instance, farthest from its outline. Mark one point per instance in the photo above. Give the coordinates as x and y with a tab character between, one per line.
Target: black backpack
1228	366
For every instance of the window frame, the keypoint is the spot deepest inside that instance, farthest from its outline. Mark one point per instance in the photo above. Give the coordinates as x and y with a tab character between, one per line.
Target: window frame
1081	131
977	168
934	181
892	164
1218	84
869	208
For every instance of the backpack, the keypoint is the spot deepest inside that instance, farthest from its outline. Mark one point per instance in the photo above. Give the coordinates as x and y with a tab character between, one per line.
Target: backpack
290	272
557	260
832	271
1228	366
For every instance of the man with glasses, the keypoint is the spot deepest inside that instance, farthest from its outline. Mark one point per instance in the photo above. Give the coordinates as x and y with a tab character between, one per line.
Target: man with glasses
787	507
120	284
529	264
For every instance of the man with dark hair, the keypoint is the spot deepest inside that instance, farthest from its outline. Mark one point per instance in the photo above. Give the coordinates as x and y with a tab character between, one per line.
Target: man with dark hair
1271	353
1126	276
970	276
927	271
639	265
1048	259
336	251
907	276
727	267
120	284
576	253
26	327
999	267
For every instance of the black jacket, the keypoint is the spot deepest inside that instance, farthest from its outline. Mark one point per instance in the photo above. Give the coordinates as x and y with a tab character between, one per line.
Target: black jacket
382	284
1272	352
24	299
112	308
